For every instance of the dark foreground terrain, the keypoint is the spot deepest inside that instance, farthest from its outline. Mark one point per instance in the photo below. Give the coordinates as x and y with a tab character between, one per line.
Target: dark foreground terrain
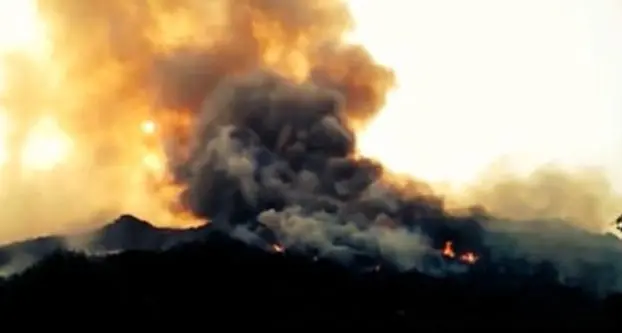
219	282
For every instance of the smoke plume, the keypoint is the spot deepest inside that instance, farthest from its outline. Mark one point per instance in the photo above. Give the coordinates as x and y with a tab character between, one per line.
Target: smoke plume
112	65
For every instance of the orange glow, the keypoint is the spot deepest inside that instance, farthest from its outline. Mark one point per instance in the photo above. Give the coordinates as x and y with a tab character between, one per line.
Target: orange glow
107	119
89	115
46	146
469	257
448	250
148	127
466	257
278	248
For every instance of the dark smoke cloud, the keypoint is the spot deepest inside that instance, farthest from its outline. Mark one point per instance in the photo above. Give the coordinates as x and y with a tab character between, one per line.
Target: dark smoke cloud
117	63
274	99
280	154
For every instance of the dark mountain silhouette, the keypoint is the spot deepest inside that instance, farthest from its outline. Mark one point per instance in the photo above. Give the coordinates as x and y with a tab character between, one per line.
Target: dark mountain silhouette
125	233
205	278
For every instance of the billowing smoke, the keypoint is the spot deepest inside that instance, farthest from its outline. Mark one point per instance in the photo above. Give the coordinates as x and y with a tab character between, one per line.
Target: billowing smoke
257	103
118	64
582	196
281	154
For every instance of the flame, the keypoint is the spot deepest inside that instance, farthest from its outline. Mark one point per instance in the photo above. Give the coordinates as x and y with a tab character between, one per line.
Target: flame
278	248
469	257
466	257
448	250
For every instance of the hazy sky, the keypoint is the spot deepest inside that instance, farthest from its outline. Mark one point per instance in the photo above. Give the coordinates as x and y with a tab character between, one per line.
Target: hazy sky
540	79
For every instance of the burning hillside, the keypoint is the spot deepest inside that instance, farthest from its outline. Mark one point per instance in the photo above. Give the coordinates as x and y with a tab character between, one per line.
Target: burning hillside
247	120
284	288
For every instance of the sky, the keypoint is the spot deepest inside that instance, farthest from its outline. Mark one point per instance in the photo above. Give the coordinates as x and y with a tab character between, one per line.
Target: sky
538	81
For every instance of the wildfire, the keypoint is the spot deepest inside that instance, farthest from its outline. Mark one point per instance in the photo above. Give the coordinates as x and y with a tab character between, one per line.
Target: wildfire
448	250
278	248
466	257
88	99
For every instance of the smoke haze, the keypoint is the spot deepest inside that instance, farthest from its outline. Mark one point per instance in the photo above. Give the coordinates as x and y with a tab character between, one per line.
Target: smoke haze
582	197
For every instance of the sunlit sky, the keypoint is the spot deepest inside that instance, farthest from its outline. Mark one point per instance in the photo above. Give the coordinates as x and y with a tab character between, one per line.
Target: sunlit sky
480	79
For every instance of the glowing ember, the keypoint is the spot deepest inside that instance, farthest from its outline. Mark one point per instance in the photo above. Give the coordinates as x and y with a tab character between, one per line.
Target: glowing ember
278	248
469	257
466	257
448	250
